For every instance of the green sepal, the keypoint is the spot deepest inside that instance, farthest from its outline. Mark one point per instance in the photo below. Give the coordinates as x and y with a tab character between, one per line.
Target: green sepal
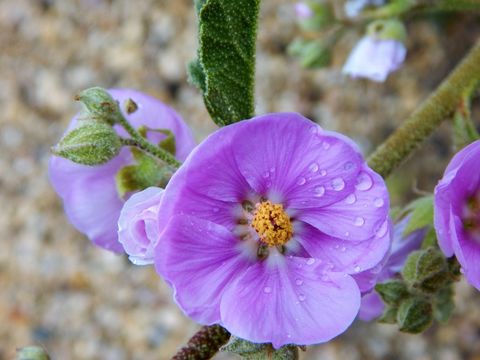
392	292
225	68
99	105
312	53
464	128
426	270
90	143
421	214
391	29
147	172
32	353
430	239
389	315
168	144
444	304
253	351
414	315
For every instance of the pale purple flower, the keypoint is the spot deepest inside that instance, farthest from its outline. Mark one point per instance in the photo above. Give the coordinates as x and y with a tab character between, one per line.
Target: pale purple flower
457	211
353	8
372	305
89	193
374	58
138	229
303	10
268	220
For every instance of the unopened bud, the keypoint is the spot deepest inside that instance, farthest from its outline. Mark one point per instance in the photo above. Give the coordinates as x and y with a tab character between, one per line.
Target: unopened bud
91	143
392	292
99	105
414	315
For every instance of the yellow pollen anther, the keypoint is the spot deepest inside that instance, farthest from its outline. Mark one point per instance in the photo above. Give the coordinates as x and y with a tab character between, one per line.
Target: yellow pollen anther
272	223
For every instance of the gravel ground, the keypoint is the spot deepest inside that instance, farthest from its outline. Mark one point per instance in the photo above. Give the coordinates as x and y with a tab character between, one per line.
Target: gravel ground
83	303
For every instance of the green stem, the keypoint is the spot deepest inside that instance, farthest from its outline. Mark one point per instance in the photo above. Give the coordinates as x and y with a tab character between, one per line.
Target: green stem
138	141
437	107
204	344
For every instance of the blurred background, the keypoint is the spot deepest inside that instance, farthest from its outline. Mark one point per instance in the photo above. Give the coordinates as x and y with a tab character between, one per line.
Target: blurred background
80	302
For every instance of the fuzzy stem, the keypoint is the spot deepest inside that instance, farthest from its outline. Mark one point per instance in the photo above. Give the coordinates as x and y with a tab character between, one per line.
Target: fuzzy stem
138	141
437	107
204	344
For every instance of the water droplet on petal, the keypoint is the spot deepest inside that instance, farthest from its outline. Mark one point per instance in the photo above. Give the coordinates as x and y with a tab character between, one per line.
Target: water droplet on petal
356	269
382	230
299	282
313	167
347	234
359	221
350	199
319	191
301	181
301	297
348	165
267	289
326	145
310	261
272	170
338	184
364	182
378	202
343	249
323	172
266	175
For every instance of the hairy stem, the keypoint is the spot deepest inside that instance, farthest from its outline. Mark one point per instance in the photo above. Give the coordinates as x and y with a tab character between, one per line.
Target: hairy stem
138	141
204	344
437	107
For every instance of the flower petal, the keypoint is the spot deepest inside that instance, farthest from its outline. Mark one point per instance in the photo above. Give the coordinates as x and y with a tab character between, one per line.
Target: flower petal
199	259
357	216
351	257
372	307
295	302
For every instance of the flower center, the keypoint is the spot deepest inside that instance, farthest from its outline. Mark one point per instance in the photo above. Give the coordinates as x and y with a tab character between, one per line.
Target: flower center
272	223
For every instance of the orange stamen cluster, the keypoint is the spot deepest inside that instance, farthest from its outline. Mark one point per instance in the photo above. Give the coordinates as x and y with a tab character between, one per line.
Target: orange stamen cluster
272	223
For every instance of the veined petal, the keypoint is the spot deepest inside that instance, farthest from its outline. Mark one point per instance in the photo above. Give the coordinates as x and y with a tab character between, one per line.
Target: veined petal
357	216
199	259
296	302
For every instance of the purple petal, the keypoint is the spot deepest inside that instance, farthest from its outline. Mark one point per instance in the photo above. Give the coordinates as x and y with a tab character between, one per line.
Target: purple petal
371	307
290	303
357	216
199	259
351	257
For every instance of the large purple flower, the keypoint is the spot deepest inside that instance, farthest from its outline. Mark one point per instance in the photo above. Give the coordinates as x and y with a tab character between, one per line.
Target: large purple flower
268	220
457	211
372	305
89	193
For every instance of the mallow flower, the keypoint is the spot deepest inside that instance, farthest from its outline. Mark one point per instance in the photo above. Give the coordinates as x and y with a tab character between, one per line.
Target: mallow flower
457	211
138	230
89	193
266	222
372	305
380	52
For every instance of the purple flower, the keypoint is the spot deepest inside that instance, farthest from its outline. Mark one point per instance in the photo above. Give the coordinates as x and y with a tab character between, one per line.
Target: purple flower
302	10
374	58
457	211
89	193
138	229
353	8
372	305
269	218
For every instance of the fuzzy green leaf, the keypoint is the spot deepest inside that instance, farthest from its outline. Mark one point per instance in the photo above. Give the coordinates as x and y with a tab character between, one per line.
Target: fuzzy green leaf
421	214
253	351
444	304
226	58
414	315
392	292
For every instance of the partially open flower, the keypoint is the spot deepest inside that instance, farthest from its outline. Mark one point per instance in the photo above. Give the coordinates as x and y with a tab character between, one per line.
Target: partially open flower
457	211
89	193
138	229
269	220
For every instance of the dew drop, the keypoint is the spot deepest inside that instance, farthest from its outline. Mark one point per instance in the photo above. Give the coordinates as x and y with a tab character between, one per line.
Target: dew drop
314	129
319	191
343	249
266	175
310	261
313	167
272	170
356	269
347	234
301	297
378	202
338	184
301	181
267	290
382	230
326	145
350	199
364	182
299	282
348	165
323	172
359	221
